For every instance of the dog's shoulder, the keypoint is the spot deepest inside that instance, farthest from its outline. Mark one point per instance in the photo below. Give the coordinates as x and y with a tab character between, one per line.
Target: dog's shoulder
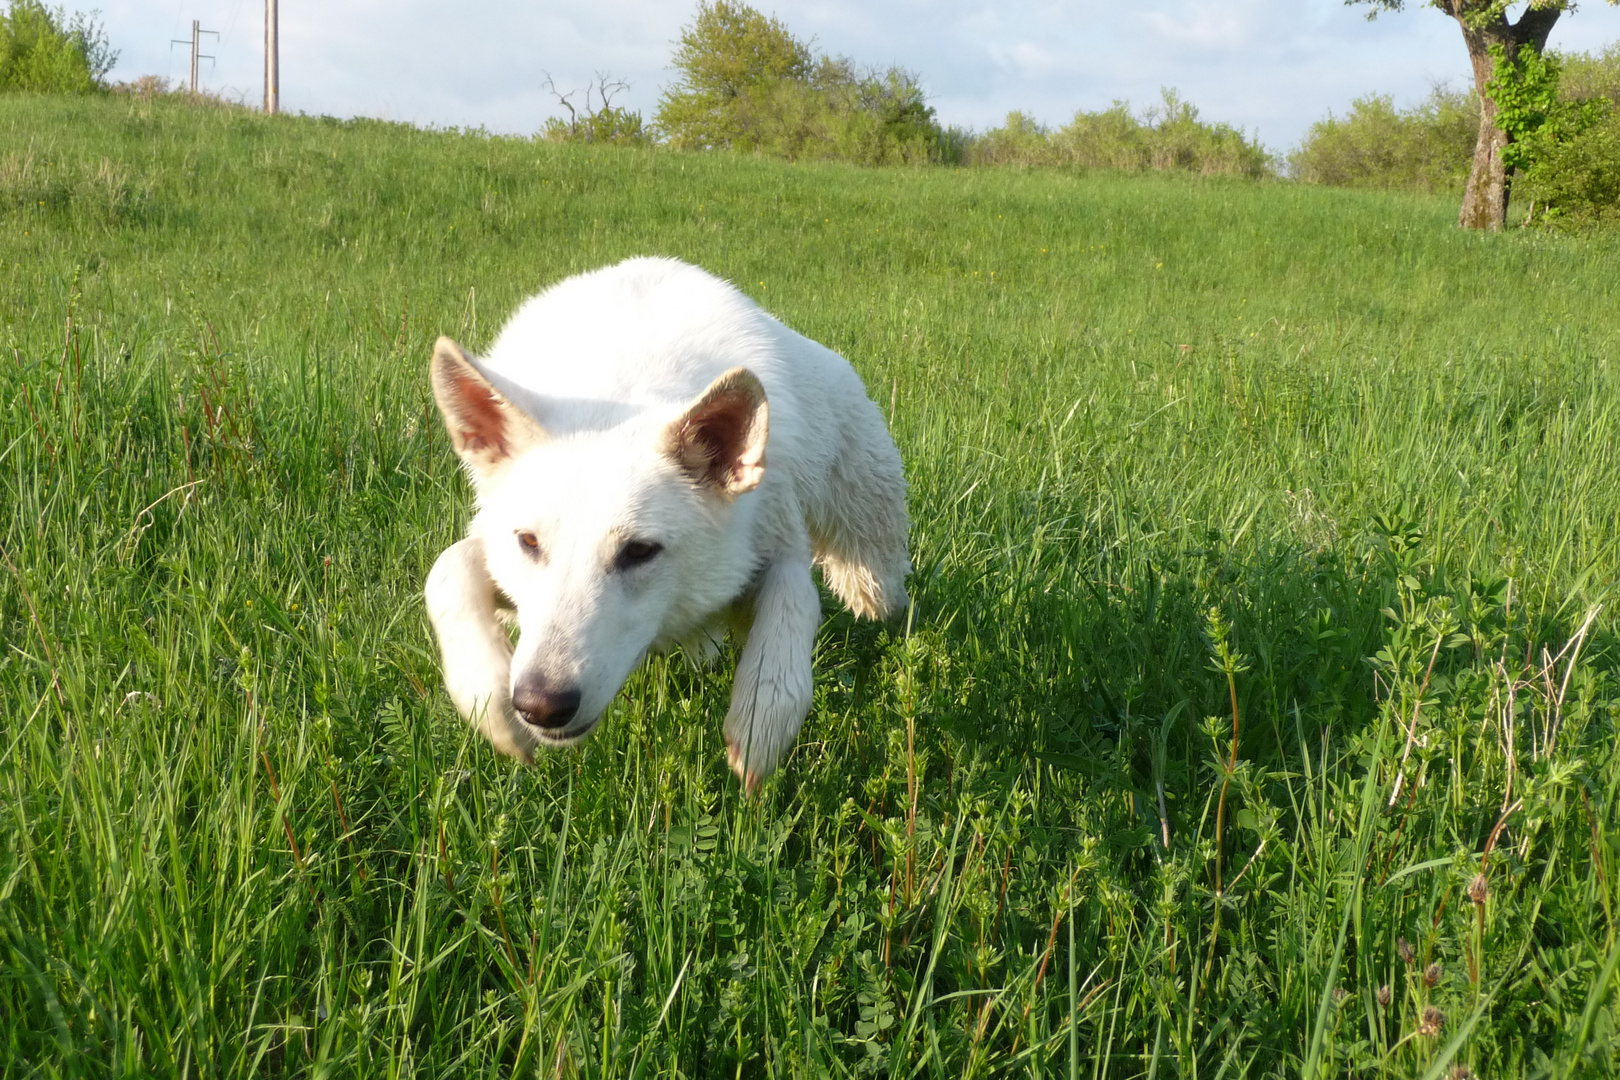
644	332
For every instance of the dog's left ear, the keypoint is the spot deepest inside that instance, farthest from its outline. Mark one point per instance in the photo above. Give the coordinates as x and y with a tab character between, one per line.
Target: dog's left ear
485	428
720	440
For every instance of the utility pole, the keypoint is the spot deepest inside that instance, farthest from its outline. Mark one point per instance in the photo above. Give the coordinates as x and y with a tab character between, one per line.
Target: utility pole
196	41
272	60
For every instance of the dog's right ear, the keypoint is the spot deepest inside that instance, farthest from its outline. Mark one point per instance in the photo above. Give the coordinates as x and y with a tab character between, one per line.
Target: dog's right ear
485	428
719	442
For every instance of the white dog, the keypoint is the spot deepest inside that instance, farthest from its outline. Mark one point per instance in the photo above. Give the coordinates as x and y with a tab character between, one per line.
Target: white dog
617	438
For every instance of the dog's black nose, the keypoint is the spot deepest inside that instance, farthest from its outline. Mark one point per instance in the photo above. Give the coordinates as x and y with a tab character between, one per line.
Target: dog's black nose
544	705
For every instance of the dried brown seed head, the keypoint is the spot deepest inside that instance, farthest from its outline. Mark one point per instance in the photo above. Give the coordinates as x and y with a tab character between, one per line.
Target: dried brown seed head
1461	1072
1404	950
1479	889
1432	1021
1433	974
1385	995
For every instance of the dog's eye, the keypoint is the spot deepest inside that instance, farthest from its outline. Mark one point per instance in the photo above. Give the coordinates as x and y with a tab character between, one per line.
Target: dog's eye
530	544
636	553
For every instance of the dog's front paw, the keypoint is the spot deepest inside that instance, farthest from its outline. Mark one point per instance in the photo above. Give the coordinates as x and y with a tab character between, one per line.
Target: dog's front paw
774	688
758	740
473	645
751	779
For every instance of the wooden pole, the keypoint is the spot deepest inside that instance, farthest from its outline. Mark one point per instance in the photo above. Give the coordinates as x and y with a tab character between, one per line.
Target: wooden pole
196	36
272	60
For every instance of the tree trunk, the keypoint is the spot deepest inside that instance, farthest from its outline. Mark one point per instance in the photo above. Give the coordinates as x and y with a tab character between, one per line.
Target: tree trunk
1485	200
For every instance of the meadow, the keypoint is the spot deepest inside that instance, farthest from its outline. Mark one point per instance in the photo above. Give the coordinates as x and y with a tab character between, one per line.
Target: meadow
1256	714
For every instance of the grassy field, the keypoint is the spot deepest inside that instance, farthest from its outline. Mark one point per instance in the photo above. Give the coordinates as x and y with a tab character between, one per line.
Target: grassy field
1257	715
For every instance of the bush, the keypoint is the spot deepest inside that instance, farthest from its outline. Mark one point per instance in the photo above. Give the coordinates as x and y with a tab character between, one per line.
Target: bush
43	50
748	84
1587	77
1563	114
146	87
839	114
1167	136
1576	184
1428	148
609	124
604	123
154	87
1020	140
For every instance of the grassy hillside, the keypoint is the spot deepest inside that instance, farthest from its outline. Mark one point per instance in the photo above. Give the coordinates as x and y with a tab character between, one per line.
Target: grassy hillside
1257	714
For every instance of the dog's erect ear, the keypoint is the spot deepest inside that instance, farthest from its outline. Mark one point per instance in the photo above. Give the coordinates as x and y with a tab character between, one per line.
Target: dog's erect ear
486	429
720	440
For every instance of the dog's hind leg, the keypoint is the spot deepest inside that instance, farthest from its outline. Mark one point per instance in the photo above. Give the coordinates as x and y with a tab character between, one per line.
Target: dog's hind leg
870	583
774	688
860	530
461	602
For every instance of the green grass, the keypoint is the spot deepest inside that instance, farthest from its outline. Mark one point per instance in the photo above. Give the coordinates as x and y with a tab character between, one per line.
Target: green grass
1237	507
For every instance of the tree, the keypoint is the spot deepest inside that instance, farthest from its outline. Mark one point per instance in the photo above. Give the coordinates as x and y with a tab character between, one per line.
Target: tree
728	52
1485	24
42	50
748	84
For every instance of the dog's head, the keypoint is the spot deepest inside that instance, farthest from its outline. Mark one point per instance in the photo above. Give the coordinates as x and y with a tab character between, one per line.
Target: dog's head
604	541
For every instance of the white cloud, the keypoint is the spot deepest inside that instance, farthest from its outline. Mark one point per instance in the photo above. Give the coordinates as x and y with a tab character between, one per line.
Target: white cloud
1221	27
1027	60
1269	66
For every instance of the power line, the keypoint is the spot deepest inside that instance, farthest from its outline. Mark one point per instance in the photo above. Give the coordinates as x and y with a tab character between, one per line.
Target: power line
236	13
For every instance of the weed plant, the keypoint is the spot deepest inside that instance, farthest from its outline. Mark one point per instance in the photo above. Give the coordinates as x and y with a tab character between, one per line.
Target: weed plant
1256	714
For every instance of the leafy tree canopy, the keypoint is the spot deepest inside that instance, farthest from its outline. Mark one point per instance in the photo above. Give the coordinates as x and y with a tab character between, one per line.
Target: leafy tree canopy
44	50
1479	12
748	84
730	48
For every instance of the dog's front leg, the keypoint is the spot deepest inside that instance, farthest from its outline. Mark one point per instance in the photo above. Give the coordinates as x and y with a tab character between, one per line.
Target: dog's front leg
477	655
773	689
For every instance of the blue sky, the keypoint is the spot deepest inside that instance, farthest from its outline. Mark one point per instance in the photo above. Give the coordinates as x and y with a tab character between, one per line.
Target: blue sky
1271	67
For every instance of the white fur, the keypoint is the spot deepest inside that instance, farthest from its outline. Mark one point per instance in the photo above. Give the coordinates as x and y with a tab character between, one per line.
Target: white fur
603	368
